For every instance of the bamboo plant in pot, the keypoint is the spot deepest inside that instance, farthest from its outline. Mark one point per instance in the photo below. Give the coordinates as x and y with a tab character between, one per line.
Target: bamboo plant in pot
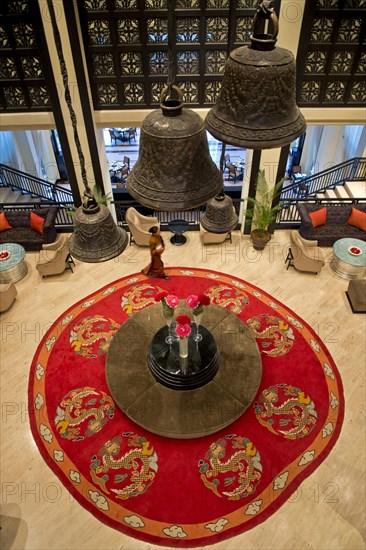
261	212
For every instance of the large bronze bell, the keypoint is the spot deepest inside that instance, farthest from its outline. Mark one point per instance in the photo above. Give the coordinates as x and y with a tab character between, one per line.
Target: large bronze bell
256	107
174	170
220	216
96	238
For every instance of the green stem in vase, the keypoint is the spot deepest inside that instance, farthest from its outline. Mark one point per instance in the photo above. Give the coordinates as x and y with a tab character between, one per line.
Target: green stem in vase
168	313
198	310
197	316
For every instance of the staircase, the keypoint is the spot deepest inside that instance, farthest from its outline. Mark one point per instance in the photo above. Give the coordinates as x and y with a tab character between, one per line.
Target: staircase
348	192
345	173
7	195
344	183
21	183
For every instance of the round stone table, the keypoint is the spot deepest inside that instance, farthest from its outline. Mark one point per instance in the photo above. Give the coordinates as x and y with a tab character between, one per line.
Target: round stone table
345	264
13	268
191	413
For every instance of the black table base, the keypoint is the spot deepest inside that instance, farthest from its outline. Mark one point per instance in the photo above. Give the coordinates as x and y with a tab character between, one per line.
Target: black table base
178	239
169	368
178	227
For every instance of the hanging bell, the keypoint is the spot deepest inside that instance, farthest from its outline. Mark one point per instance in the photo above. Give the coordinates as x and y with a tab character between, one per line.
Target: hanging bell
220	216
174	170
256	107
96	238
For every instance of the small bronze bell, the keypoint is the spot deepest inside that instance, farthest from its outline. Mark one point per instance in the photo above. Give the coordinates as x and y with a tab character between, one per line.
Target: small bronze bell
174	170
96	238
256	107
220	216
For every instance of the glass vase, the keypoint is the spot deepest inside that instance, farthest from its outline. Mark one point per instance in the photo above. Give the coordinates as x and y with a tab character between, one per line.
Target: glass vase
197	337
168	314
183	355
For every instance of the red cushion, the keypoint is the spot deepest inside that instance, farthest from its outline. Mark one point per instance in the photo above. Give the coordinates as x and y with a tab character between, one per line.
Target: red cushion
358	219
4	224
319	217
36	223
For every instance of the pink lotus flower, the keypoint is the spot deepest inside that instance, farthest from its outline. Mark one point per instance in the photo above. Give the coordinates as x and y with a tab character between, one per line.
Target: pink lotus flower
172	301
192	301
183	331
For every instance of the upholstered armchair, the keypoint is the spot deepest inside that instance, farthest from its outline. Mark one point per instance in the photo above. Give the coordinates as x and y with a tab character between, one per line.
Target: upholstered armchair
8	293
139	226
305	255
55	257
213	238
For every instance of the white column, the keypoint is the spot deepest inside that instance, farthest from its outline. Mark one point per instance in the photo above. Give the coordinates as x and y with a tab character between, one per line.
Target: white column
269	162
245	187
9	150
289	22
46	155
105	171
310	150
331	148
25	153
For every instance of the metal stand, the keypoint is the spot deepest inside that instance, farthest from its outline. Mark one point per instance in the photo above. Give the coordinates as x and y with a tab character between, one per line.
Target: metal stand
289	259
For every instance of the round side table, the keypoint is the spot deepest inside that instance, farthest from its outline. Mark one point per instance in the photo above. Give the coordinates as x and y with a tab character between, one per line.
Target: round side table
178	227
346	264
13	267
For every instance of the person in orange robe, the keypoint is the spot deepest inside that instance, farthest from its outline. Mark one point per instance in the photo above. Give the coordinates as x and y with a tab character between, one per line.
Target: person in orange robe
157	247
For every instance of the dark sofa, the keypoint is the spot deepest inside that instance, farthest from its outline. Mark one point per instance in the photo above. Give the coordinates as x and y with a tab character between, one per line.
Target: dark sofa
336	226
21	232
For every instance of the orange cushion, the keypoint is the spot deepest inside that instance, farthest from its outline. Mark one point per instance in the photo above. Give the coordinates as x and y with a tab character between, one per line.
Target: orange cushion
358	219
4	224
319	217
36	223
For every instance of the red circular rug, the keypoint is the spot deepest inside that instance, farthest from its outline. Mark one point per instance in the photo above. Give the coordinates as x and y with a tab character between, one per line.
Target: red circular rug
183	492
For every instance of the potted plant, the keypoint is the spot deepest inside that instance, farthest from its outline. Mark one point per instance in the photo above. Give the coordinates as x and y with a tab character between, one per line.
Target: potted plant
261	212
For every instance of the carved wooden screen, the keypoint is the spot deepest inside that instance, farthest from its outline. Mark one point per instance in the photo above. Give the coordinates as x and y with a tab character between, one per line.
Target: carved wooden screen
24	85
331	61
126	44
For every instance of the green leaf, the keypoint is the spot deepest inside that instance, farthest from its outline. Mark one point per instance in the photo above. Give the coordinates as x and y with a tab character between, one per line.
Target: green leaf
99	197
261	212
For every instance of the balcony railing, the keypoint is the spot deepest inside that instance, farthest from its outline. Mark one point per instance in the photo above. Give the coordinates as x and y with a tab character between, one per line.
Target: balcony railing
348	171
288	217
36	187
